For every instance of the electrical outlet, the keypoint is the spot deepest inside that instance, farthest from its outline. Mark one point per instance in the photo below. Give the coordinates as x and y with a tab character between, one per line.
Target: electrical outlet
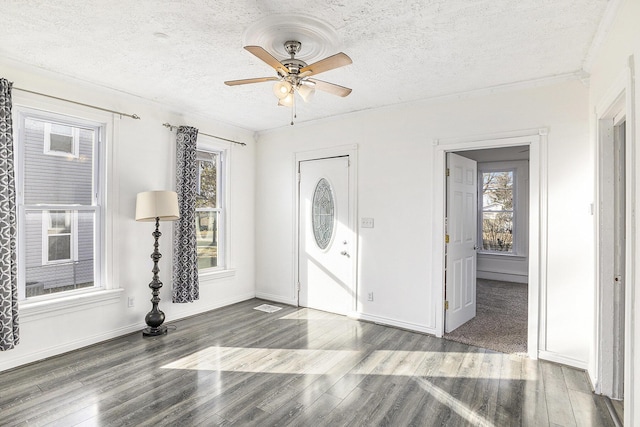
131	302
370	296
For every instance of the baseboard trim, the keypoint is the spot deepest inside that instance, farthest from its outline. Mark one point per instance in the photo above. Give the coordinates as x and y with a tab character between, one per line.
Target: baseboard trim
563	360
504	277
36	356
70	346
392	322
182	314
276	298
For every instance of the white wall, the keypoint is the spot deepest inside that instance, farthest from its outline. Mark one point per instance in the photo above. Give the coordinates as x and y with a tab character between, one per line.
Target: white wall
395	188
143	156
610	63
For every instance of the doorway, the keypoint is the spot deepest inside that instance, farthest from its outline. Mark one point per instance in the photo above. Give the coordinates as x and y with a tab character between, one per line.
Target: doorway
611	252
326	250
498	258
537	247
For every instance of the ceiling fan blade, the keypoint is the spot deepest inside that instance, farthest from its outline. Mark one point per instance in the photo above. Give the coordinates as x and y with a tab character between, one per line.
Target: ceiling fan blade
268	58
248	81
331	88
329	63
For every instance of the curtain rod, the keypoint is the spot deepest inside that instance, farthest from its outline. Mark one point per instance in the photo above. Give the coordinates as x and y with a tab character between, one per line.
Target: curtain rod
172	127
133	116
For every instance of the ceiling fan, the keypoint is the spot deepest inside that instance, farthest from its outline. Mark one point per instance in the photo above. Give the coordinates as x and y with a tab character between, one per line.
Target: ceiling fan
294	75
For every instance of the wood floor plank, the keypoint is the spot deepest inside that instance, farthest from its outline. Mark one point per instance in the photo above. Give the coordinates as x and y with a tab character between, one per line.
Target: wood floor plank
557	396
576	379
298	367
534	403
589	410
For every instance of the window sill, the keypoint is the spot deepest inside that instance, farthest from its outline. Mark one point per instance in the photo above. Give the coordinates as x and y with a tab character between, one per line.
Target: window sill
503	254
206	276
42	308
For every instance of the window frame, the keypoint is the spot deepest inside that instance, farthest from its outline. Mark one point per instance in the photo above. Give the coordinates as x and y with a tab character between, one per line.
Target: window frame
208	145
520	169
97	207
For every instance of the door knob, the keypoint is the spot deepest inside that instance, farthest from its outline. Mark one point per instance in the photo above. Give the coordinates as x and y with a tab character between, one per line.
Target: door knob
345	253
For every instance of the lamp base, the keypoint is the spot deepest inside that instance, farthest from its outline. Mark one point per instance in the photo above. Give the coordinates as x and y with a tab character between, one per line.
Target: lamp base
154	332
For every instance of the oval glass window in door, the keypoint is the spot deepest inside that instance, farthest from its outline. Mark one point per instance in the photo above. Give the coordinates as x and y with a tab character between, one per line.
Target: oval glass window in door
323	213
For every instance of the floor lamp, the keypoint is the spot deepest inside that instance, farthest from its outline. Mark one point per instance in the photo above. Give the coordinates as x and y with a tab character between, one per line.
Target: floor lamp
156	206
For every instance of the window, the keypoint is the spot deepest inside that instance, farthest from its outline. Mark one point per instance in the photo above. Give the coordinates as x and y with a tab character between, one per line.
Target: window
210	209
61	140
59	203
497	217
59	236
503	208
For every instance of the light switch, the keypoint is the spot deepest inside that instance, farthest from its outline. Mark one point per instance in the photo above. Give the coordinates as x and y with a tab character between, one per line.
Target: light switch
366	222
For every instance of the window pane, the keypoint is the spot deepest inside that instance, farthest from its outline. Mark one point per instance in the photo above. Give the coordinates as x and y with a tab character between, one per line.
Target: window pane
497	231
59	222
323	213
207	180
207	237
55	179
497	191
59	248
61	143
43	277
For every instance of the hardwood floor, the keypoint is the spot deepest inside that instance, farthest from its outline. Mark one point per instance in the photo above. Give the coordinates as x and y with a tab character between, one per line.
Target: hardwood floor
239	366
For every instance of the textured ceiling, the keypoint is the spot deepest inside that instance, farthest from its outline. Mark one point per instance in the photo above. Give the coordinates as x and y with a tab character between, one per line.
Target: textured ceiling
179	53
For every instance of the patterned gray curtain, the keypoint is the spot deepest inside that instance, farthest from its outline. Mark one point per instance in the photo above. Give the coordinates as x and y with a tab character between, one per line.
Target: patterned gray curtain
9	336
185	256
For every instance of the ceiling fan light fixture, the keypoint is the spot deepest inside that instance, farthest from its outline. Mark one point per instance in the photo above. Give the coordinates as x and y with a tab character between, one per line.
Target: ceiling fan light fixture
287	101
306	91
282	89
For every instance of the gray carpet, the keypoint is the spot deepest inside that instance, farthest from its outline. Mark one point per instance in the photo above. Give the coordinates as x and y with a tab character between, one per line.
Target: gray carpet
501	318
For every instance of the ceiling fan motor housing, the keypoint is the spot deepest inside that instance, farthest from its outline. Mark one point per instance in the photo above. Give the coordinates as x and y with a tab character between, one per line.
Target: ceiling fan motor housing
293	47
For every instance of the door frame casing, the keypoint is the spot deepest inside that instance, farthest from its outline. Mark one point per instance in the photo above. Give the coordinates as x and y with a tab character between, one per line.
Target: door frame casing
536	139
619	98
350	151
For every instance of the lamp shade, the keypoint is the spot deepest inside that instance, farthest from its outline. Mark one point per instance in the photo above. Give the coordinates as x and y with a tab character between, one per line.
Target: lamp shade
282	89
157	204
306	91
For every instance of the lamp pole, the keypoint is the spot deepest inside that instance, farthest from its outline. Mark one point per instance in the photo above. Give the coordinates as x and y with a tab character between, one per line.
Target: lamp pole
155	317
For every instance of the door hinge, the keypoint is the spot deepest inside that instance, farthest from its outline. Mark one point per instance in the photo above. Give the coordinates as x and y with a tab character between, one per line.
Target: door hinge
298	286
446	305
298	176
446	238
447	173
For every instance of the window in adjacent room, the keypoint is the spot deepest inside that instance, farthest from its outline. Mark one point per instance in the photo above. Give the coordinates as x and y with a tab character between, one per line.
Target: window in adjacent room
59	203
498	215
210	221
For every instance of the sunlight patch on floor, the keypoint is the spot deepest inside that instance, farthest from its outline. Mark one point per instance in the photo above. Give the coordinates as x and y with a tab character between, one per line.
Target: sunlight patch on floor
456	405
315	361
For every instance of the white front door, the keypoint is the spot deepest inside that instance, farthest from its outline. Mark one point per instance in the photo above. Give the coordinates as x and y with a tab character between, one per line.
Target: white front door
462	225
325	259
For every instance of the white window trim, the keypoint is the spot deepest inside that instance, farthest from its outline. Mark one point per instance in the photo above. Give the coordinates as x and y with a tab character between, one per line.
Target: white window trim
104	270
46	220
223	269
520	182
75	135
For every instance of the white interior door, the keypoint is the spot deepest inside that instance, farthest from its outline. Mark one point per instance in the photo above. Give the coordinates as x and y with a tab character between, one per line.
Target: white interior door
325	260
462	225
